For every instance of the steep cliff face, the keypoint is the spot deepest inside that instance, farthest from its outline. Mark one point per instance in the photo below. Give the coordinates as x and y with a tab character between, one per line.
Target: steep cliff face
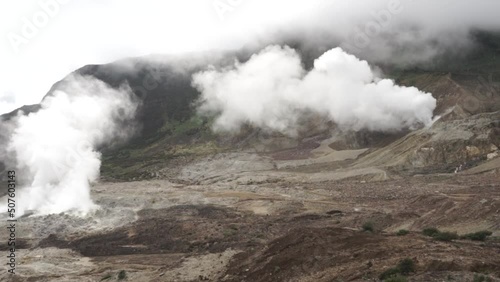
448	146
460	94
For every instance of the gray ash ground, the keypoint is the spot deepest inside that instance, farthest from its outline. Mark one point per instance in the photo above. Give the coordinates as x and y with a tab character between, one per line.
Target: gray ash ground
226	227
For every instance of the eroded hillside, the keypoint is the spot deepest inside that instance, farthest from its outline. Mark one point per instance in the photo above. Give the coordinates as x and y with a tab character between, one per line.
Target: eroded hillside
183	203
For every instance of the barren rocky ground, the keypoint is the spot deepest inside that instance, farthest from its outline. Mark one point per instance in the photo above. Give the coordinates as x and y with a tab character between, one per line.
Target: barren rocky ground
247	216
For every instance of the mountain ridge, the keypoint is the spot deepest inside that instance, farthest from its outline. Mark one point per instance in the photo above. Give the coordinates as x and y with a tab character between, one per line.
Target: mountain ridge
172	129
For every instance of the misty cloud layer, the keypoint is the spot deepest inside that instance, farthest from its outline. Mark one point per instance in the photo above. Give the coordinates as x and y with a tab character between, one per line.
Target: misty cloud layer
402	32
272	90
56	147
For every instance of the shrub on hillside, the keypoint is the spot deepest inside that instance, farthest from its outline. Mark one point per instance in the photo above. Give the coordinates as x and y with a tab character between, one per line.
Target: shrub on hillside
122	275
402	232
446	236
404	267
477	236
396	278
481	278
431	231
368	226
439	235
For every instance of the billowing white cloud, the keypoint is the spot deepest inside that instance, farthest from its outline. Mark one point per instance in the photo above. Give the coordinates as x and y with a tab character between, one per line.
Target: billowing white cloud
272	90
55	149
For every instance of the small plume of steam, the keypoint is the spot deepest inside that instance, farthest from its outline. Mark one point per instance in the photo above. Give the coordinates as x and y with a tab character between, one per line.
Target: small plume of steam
272	90
55	148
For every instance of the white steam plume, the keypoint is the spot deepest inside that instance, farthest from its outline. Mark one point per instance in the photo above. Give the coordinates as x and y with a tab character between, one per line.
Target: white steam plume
272	88
55	148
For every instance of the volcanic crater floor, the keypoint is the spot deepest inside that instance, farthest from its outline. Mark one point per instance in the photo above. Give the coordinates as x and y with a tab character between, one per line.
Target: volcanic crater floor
239	217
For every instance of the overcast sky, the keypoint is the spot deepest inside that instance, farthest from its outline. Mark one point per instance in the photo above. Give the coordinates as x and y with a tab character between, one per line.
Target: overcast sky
91	31
42	43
